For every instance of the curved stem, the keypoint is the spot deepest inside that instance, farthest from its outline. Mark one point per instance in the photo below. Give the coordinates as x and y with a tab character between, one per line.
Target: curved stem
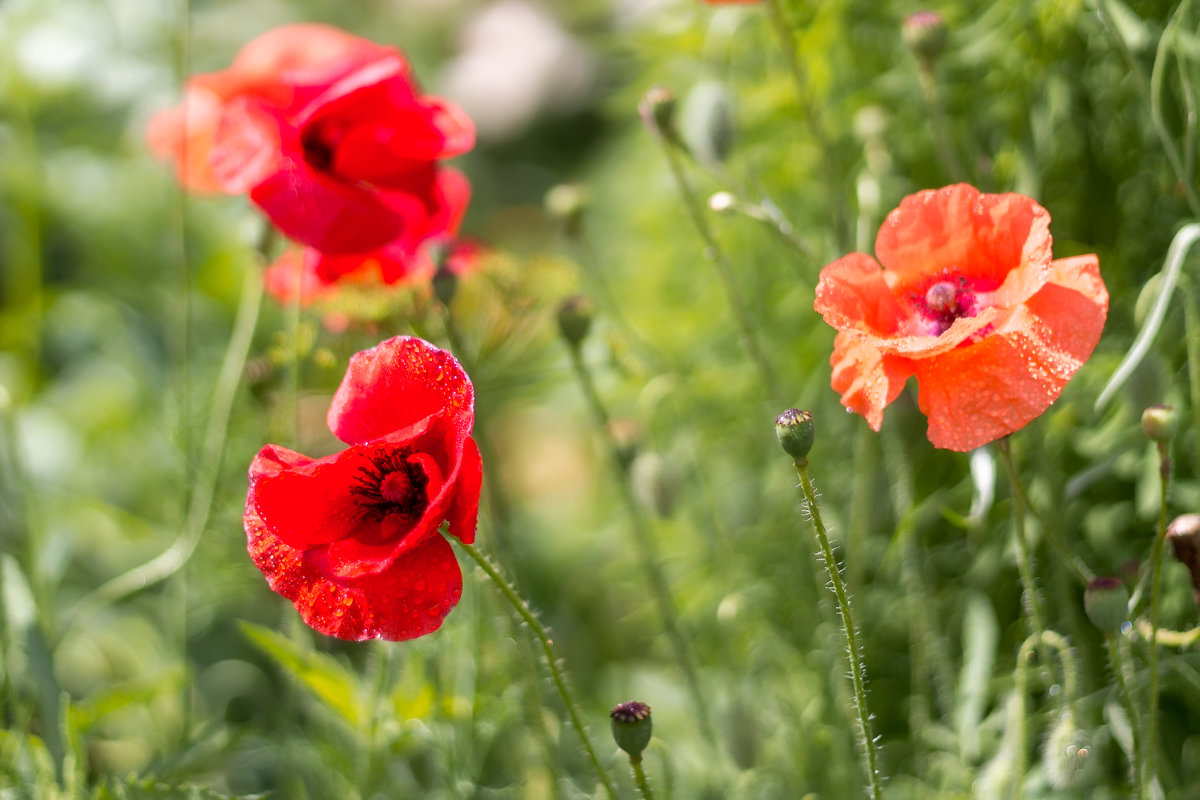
714	253
1069	681
648	555
866	741
174	557
552	662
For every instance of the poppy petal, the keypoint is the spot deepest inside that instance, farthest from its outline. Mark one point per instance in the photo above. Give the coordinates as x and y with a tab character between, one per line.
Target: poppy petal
852	294
409	599
958	229
396	384
463	515
978	393
867	378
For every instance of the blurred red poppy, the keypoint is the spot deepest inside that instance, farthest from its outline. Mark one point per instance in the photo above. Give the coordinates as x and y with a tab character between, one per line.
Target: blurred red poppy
325	131
969	300
404	260
352	539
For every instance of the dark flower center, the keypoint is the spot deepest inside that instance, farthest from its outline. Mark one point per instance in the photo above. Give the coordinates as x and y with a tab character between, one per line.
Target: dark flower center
394	484
319	141
946	300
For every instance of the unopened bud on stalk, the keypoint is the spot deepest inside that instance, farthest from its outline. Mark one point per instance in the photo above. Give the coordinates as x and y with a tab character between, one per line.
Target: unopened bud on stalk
1106	601
706	122
1067	757
657	110
1184	535
632	727
924	32
796	432
1160	423
575	319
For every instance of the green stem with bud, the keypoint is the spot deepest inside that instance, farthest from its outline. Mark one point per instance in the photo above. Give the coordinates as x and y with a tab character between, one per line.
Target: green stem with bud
557	675
866	740
648	554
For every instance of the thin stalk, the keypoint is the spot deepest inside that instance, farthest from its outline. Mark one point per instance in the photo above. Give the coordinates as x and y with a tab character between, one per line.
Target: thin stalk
648	555
1070	681
811	113
639	777
174	557
1123	672
1033	607
714	253
1191	317
557	676
937	120
866	740
1150	732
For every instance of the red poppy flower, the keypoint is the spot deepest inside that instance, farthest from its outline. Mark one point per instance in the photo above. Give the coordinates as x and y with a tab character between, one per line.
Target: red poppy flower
403	260
969	301
352	539
325	131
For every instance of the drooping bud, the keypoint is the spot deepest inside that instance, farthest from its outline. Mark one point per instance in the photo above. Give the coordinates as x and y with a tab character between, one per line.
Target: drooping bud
1067	758
632	727
1106	601
706	122
796	432
657	110
1160	423
924	32
1184	535
575	319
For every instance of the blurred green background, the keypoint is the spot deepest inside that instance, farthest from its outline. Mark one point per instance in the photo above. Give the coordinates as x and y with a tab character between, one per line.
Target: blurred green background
118	295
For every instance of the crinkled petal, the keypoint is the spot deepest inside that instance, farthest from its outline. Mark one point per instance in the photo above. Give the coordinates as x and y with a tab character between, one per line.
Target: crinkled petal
956	229
853	295
867	378
409	599
975	394
398	383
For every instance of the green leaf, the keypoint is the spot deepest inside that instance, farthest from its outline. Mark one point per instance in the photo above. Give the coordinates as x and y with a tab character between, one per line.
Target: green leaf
980	633
149	789
330	682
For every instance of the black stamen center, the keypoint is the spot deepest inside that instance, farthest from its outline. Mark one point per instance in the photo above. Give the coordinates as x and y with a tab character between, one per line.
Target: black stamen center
396	485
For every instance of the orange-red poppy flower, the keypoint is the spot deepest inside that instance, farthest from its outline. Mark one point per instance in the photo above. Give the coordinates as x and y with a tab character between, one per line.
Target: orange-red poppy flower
966	297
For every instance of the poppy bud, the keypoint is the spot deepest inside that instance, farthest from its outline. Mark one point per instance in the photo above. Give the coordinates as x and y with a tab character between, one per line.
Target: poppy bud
575	319
924	33
796	432
1106	601
632	727
657	110
706	122
1184	535
653	483
1160	423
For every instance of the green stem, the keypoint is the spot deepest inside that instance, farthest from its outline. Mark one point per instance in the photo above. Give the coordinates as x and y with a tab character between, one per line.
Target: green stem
174	557
714	253
639	776
1150	732
1191	316
552	662
937	120
811	113
866	740
648	554
1033	607
1123	673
